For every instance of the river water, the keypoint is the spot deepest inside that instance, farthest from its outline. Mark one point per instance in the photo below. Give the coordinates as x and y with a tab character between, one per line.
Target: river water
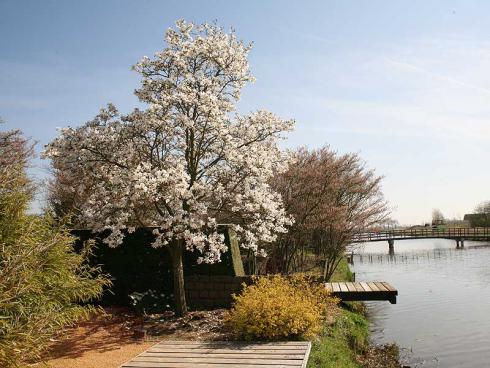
442	315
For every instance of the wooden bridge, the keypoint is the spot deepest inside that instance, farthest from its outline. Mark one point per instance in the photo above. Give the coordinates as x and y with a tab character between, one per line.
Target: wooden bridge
457	234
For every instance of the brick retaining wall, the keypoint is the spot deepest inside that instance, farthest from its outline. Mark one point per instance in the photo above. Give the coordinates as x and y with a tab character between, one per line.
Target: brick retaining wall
207	292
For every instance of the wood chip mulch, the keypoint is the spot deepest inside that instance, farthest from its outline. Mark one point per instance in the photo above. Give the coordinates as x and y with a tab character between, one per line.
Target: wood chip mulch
110	339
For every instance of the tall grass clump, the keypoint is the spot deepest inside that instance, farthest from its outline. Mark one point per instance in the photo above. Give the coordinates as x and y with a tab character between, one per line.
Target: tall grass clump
44	284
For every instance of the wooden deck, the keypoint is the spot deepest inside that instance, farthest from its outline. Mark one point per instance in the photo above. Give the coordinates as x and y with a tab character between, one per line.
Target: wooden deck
362	291
223	354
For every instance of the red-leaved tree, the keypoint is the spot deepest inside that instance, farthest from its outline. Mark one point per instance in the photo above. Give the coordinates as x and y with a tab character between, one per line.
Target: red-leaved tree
331	197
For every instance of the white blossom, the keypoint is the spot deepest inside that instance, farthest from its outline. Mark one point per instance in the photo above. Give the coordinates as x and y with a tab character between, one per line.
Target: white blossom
187	161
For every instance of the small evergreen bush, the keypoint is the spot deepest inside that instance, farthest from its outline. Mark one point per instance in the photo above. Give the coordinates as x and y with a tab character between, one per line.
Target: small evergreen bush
276	308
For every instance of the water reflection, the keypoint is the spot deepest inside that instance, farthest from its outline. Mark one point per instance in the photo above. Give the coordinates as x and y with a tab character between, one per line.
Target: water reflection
408	256
442	315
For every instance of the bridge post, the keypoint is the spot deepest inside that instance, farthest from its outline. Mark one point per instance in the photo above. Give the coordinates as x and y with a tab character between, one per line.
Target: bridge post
462	242
391	246
350	258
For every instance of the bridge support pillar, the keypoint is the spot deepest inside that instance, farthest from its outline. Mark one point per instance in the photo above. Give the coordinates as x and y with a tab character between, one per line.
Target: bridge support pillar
350	258
459	243
391	246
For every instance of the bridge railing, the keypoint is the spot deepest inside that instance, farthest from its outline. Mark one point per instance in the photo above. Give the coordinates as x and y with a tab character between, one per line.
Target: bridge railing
476	232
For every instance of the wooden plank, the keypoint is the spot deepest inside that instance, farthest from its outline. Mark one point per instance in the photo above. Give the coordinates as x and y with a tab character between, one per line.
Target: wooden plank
343	287
160	350
373	286
240	349
389	287
210	360
132	364
234	343
381	286
329	287
350	286
307	355
358	287
228	353
365	286
354	287
237	346
336	287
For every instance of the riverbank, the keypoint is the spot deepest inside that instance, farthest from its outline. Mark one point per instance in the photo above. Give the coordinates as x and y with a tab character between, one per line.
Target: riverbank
345	343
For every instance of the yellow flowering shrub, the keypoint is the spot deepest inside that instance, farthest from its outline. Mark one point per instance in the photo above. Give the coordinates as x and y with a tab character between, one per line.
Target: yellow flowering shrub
276	307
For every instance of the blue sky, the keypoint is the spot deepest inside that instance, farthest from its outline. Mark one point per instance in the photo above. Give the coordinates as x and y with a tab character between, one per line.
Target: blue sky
404	83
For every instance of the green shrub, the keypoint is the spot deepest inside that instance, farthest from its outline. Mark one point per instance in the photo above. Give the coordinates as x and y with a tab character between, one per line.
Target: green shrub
341	342
45	285
275	308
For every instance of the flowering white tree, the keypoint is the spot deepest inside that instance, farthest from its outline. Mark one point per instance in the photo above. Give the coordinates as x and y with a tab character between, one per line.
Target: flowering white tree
185	163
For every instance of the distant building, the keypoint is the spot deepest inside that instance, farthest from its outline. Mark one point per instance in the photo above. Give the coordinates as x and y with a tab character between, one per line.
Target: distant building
478	219
458	223
438	222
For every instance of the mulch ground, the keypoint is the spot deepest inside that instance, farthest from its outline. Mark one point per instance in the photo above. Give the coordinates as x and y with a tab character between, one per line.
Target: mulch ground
108	340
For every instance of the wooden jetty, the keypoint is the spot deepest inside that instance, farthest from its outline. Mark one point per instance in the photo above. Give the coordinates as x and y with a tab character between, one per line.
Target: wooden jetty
223	354
363	291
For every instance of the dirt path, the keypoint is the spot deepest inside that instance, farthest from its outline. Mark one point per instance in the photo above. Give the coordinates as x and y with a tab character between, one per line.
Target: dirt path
109	340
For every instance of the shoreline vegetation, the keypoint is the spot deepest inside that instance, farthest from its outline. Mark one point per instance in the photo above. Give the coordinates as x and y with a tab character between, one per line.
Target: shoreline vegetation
345	343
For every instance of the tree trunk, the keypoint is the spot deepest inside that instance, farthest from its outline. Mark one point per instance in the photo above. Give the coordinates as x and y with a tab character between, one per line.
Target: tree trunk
325	270
176	252
330	266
